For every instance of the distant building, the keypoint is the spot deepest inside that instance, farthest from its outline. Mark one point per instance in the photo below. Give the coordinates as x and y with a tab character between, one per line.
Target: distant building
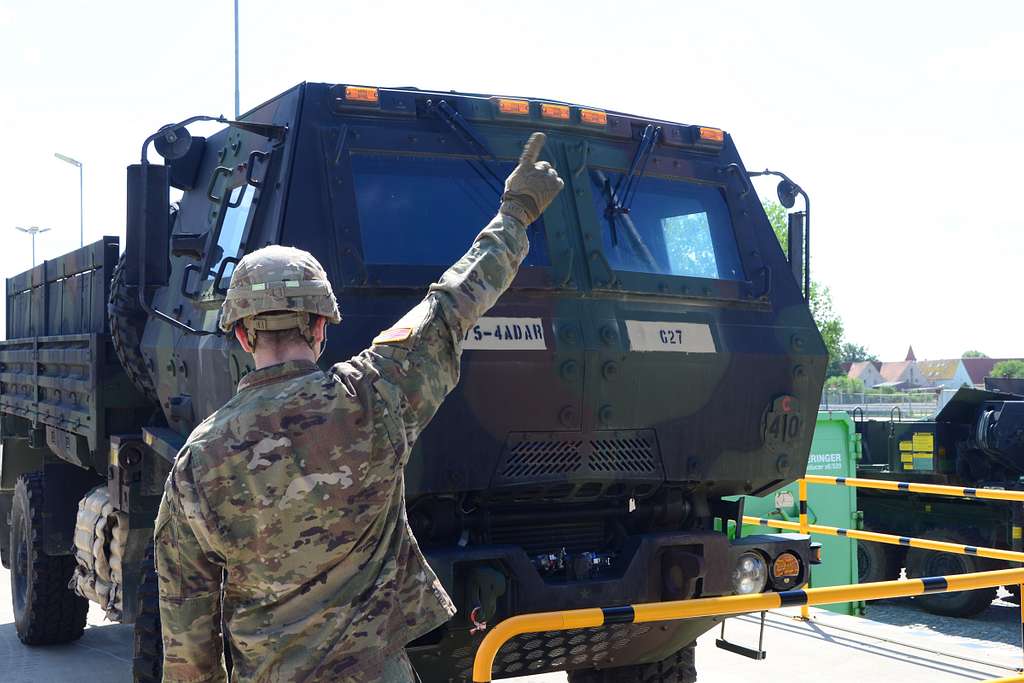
948	374
980	368
910	373
902	375
866	371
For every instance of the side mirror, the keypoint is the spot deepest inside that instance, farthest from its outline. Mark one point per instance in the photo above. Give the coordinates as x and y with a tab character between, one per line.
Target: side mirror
148	228
172	142
787	192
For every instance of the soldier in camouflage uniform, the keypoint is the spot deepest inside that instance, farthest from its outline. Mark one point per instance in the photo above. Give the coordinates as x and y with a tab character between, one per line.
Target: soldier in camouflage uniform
285	513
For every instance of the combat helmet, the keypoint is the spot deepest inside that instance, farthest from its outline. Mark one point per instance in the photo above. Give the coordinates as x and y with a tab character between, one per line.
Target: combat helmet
276	288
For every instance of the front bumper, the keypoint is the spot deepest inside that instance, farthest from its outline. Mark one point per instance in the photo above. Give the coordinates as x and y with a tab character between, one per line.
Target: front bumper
660	566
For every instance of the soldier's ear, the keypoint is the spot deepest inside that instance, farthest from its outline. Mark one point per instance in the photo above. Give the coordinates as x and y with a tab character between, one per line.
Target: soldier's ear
242	337
320	329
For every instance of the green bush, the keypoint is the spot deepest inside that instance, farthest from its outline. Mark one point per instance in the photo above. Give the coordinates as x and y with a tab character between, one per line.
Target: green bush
1008	368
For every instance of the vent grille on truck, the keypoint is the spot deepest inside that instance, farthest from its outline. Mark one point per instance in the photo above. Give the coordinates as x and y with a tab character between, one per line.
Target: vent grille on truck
535	458
536	653
574	537
531	458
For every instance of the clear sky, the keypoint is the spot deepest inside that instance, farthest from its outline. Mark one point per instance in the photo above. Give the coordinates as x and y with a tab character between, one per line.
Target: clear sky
903	120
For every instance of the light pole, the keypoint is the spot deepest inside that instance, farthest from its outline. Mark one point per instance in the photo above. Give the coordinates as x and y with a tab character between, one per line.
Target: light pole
33	230
81	197
236	59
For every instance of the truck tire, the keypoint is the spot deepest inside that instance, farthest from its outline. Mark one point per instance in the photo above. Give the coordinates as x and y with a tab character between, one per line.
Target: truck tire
127	323
922	563
148	644
679	668
876	562
46	612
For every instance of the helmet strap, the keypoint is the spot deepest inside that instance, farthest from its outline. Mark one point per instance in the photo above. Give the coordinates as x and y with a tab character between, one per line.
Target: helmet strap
273	322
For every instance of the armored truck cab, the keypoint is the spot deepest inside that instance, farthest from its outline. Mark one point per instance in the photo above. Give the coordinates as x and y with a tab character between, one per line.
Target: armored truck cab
654	354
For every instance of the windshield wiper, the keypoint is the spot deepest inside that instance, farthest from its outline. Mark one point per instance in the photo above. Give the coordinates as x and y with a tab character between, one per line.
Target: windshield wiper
469	137
621	197
636	240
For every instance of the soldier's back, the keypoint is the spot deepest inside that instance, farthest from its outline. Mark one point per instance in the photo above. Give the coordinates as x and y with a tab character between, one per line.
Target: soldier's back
302	500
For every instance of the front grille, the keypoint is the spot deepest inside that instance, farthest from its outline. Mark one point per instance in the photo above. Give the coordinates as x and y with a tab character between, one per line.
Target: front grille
574	537
538	458
623	455
564	456
536	653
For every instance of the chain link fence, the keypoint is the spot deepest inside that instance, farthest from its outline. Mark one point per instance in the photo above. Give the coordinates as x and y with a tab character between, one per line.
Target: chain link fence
915	405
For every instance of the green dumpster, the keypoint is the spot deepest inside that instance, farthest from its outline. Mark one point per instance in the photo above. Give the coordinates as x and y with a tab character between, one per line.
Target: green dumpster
834	452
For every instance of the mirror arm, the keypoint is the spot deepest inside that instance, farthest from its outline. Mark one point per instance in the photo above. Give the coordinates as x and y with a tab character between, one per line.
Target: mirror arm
807	226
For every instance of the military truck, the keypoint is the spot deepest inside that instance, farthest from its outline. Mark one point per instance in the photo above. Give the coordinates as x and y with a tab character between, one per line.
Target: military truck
976	441
654	354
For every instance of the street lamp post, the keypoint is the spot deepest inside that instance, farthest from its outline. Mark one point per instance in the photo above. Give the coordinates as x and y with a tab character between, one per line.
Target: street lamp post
236	60
33	231
81	197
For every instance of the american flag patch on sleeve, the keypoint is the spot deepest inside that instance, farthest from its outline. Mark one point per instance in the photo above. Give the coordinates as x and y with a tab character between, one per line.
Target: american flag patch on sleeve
393	336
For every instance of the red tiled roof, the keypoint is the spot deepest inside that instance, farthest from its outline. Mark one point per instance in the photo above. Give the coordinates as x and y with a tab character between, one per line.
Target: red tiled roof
891	372
980	368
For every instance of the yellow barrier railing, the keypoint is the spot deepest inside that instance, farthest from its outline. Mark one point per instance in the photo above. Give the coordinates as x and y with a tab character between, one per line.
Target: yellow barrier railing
911	487
906	541
723	606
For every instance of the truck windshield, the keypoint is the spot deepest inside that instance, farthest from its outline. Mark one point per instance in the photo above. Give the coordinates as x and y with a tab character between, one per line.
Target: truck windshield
426	210
673	227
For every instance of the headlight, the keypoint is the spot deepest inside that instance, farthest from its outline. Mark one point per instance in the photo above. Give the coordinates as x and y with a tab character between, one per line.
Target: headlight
750	574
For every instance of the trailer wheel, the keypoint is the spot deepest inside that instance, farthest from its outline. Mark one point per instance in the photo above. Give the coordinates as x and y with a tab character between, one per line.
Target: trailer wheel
922	563
148	650
679	668
876	562
46	612
127	322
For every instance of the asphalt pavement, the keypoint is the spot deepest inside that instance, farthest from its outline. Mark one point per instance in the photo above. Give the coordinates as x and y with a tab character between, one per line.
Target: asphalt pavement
898	642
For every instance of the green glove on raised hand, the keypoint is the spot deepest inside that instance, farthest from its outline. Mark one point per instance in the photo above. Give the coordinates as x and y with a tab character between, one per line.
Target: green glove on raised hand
532	185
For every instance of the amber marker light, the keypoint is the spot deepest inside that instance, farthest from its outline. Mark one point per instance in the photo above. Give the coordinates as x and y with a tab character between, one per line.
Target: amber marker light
712	134
513	107
554	111
593	117
356	93
786	566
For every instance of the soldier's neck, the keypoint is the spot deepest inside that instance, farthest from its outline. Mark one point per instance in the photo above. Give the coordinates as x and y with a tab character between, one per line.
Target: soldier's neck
264	358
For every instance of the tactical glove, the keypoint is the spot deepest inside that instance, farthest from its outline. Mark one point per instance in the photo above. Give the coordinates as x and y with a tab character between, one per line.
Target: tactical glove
532	185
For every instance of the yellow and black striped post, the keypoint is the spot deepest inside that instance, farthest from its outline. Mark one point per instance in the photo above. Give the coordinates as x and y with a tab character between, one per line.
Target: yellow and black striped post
731	604
805	612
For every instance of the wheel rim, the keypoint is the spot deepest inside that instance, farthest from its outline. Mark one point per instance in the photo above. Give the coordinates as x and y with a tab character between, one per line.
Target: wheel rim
945	564
863	564
20	567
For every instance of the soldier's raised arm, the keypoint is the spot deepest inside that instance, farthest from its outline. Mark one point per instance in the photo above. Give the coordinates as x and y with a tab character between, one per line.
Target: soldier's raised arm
418	357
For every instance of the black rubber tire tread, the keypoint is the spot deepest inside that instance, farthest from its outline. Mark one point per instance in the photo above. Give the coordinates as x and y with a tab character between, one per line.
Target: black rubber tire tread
884	562
679	668
52	613
148	644
127	322
964	604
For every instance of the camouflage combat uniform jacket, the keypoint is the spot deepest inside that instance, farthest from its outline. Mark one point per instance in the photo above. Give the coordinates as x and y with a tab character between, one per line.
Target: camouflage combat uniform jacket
294	490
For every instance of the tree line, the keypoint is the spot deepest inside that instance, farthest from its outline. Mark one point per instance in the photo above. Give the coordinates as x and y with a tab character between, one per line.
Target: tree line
830	324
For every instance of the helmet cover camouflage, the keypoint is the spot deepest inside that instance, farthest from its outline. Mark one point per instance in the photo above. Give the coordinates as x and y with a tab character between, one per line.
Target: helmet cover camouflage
277	278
